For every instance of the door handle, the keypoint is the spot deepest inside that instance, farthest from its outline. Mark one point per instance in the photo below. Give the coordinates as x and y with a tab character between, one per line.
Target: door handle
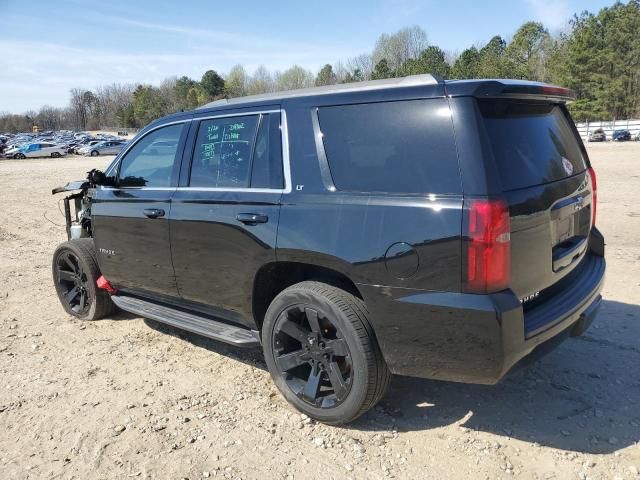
251	218
154	212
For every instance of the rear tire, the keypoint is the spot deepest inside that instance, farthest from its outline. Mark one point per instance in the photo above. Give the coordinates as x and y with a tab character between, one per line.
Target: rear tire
55	154
75	271
322	353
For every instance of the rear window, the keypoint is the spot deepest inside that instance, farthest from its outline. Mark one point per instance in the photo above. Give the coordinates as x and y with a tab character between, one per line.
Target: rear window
533	143
394	147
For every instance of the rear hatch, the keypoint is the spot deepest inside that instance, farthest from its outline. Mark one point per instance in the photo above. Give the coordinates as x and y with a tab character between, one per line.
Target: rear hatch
547	186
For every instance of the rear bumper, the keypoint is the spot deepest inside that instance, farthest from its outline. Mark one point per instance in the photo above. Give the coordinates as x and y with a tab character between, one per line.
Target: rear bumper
476	338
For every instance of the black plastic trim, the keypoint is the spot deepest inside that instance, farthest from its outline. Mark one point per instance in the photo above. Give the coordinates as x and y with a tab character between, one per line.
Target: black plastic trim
570	299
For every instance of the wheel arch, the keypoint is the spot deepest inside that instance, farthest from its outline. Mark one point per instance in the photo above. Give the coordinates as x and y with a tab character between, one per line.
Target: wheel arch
274	277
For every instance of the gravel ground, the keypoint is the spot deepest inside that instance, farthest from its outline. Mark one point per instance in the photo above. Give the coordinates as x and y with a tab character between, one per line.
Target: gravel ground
126	397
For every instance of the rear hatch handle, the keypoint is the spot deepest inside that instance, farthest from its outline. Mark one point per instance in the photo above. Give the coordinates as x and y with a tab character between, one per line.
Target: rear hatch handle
568	252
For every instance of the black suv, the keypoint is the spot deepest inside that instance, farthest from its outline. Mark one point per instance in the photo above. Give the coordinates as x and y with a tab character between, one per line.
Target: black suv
440	229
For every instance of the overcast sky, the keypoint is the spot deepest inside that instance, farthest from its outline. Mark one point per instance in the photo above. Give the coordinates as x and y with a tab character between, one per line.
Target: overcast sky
50	47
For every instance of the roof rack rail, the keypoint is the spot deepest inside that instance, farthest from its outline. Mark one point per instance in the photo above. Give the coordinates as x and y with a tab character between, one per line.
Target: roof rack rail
409	81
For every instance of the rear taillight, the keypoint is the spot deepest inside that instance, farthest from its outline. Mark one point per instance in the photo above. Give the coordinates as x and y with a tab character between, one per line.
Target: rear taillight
594	194
488	246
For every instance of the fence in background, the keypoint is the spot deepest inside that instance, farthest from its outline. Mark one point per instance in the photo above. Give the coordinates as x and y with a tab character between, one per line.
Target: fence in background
587	128
120	130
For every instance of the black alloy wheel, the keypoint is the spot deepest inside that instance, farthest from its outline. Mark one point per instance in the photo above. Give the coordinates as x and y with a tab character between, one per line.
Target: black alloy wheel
312	356
75	272
73	283
322	353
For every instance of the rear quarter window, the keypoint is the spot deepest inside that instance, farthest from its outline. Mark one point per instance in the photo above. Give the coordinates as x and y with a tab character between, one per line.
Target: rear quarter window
392	147
532	143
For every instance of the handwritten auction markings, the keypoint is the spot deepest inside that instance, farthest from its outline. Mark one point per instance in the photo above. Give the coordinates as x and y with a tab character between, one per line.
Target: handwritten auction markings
226	140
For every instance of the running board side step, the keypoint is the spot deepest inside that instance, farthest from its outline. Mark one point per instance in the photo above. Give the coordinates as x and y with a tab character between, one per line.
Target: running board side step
241	337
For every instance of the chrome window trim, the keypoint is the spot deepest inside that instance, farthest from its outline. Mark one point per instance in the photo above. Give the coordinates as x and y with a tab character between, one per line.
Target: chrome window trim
242	114
325	169
286	164
123	153
231	190
103	187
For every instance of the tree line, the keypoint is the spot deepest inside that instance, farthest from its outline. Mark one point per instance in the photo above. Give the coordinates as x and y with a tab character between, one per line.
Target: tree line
598	57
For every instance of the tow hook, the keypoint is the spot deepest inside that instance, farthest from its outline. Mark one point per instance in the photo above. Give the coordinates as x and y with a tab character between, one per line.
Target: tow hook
104	284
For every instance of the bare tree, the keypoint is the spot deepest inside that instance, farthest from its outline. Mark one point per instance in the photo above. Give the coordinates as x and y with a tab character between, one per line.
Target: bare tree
363	63
294	78
169	93
77	106
341	71
49	118
261	81
236	82
113	99
399	47
450	56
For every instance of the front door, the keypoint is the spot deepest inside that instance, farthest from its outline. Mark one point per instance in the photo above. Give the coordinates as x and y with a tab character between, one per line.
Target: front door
224	219
131	220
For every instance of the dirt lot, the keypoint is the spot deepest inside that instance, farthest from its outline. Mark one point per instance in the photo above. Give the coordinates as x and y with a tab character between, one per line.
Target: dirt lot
125	397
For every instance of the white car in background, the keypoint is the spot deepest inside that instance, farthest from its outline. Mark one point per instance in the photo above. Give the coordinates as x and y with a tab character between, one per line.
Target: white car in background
33	150
108	147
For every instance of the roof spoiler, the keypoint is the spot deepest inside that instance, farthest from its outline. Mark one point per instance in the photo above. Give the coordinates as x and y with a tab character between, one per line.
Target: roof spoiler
510	89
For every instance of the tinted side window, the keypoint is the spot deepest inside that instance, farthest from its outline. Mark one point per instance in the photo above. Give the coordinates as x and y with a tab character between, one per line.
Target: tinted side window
395	147
151	161
222	155
267	156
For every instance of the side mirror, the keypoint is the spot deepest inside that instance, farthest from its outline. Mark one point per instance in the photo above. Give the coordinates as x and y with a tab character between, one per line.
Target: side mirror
97	177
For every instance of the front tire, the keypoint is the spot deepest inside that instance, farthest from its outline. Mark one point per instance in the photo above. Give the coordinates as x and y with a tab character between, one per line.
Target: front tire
19	156
94	153
322	353
75	271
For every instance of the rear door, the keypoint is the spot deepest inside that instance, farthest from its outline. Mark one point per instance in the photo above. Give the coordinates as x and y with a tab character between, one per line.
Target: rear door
225	214
33	150
46	149
543	169
131	220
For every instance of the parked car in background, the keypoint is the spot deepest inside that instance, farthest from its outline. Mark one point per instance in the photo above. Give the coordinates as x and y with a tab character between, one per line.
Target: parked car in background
33	150
71	147
598	136
70	142
106	148
82	142
85	148
621	136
